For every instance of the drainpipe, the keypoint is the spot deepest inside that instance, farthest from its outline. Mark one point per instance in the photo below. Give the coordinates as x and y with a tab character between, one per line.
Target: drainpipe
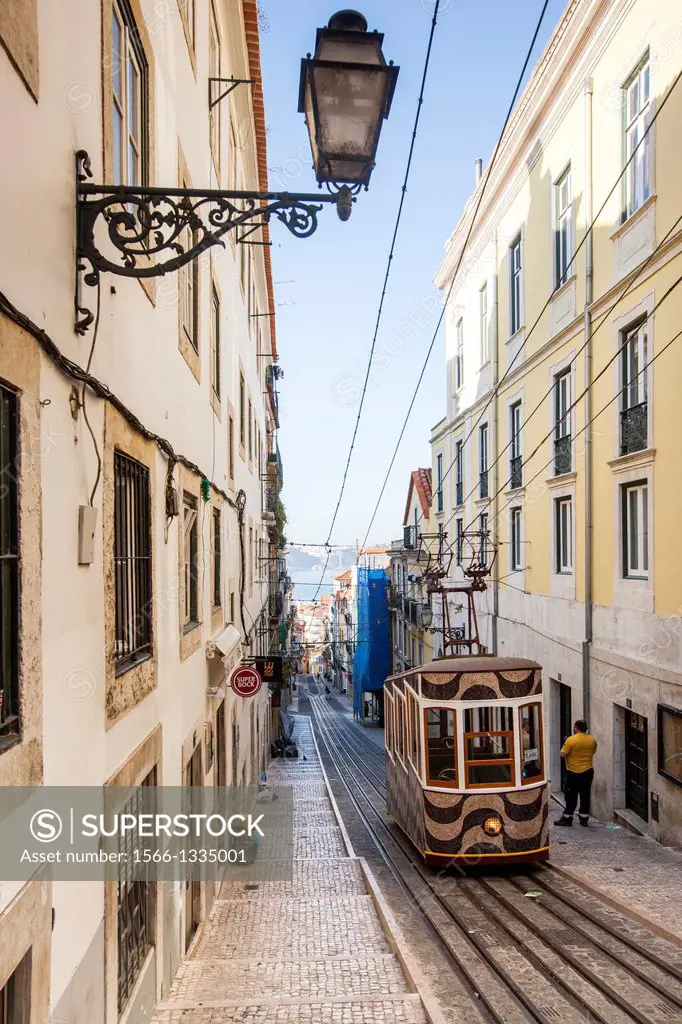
496	500
587	641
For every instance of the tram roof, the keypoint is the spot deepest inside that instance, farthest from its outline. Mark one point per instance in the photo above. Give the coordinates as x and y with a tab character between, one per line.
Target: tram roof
472	663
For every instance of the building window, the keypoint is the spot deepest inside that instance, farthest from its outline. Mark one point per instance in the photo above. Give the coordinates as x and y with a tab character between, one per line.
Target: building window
562	423
188	285
515	459
250	432
483	461
459	551
637	98
15	994
563	527
515	286
515	540
230	440
633	413
670	743
483	538
215	341
9	568
635	521
214	72
136	901
439	482
242	412
191	562
563	214
459	355
459	469
485	324
129	81
217	559
232	606
249	567
188	10
132	562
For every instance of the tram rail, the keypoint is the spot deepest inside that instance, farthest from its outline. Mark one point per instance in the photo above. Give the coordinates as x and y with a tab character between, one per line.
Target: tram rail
547	960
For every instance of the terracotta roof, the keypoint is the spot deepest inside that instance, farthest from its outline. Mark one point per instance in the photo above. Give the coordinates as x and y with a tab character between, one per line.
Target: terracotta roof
374	551
345	577
421	479
250	8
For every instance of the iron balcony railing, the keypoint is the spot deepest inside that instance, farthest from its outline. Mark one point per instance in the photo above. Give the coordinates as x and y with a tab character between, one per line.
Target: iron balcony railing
516	472
483	484
633	429
272	390
562	455
459	492
270	495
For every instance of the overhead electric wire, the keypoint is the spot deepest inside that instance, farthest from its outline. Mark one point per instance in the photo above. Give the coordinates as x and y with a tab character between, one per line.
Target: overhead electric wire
461	256
604	317
585	391
587	233
387	274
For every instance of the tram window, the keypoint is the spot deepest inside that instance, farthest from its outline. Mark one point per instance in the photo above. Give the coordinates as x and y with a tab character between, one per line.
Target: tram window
489	746
400	712
388	719
414	730
531	743
441	746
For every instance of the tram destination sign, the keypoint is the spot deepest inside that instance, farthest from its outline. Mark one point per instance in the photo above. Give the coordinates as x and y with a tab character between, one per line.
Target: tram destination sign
246	681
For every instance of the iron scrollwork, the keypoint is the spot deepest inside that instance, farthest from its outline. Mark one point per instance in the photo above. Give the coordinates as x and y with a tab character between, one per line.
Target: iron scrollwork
148	232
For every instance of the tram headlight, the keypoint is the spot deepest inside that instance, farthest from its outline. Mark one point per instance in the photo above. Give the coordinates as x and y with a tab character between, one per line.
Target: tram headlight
492	826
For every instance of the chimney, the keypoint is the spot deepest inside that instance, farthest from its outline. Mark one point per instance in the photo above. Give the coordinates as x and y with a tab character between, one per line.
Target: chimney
478	169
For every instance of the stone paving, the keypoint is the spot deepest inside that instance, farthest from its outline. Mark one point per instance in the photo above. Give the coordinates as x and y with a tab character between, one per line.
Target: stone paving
306	951
633	871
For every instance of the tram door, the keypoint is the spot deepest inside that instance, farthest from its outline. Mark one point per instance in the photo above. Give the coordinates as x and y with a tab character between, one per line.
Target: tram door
636	765
565	723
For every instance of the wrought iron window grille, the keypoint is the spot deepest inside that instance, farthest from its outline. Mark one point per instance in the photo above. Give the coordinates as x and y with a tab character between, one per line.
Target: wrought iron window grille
562	455
483	484
633	429
516	472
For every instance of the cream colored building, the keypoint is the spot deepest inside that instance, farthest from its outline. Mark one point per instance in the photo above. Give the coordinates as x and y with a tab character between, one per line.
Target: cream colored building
561	435
116	660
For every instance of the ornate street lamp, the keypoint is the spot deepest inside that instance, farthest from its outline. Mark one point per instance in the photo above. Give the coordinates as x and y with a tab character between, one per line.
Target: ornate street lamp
145	231
345	92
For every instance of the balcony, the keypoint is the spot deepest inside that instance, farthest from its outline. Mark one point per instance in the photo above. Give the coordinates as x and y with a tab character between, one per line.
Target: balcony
274	466
483	484
459	492
272	391
562	455
410	537
633	429
516	472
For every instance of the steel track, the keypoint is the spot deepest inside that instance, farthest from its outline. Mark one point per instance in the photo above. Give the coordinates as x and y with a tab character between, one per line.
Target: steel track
659	980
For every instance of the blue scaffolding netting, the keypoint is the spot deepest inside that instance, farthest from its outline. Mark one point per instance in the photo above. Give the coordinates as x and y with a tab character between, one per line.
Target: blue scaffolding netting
372	662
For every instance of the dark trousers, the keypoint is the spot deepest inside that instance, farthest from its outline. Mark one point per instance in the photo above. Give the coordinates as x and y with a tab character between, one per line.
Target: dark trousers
578	785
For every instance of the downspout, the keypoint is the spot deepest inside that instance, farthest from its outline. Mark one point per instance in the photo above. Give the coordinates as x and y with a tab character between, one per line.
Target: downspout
587	641
496	499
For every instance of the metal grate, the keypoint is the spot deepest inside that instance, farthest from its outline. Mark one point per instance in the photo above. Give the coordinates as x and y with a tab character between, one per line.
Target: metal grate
516	474
562	455
9	568
483	483
459	499
633	429
217	559
132	562
135	902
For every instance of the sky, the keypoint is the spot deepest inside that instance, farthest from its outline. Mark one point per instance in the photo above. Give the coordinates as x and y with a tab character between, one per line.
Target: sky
327	287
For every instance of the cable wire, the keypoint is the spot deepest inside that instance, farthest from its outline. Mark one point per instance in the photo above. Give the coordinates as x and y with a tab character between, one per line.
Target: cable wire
459	262
387	274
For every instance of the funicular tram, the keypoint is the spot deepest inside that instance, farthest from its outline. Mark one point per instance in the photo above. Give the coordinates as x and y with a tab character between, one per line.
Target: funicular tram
465	769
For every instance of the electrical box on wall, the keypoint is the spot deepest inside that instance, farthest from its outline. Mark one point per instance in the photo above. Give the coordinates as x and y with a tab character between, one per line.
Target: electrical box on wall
87	524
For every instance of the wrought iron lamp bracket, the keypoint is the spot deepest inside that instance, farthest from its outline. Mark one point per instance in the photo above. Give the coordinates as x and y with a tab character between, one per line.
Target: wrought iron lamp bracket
231	83
149	231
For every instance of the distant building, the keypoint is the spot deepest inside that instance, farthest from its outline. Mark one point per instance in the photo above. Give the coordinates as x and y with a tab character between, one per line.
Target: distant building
374	558
412	644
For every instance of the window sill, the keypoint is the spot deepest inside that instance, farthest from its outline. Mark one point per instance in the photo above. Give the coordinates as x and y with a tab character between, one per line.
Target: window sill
562	480
8	742
189	627
480	502
120	670
634	217
515	492
633	460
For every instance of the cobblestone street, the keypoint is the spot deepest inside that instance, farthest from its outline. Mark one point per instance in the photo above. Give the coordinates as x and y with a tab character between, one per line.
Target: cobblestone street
311	950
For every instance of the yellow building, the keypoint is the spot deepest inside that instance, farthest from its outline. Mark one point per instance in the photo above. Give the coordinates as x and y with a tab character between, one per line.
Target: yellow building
561	437
410	603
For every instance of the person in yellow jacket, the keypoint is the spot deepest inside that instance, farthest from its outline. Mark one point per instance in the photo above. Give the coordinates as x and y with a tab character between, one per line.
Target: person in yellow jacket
578	751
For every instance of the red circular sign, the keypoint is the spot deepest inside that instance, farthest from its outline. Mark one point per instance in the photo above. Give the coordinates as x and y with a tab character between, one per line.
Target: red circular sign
246	682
